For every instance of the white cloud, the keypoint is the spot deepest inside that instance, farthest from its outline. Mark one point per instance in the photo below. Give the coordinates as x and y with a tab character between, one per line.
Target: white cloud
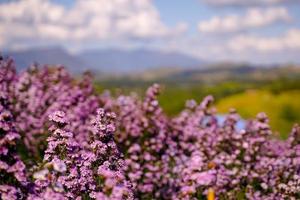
243	48
246	2
254	18
289	41
86	20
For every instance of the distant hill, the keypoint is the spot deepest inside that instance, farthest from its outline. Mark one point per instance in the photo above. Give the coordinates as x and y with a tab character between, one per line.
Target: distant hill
49	56
148	65
211	74
237	72
113	60
107	61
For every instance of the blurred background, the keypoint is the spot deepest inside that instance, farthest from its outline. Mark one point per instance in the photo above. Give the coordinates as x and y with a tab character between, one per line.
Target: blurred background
244	52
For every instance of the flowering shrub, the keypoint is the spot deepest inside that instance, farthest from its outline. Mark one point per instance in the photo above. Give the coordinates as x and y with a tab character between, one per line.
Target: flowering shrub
48	113
60	140
191	154
12	170
70	170
36	93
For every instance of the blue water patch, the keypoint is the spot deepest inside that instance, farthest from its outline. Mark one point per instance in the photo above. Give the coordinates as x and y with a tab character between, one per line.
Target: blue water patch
241	124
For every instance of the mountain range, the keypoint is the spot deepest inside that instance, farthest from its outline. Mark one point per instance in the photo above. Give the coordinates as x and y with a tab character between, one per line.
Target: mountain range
106	61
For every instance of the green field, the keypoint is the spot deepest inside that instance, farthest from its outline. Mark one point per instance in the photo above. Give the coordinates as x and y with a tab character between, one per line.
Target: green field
283	109
280	99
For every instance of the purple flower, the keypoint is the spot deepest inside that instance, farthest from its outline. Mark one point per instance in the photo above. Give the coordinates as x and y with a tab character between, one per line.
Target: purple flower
129	148
58	117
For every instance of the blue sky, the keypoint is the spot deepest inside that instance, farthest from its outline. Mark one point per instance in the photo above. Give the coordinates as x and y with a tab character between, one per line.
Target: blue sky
193	11
258	31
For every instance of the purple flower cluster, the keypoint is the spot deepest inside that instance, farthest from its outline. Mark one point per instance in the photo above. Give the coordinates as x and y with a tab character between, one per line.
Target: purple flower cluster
36	93
48	119
12	170
142	135
187	156
72	171
56	143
